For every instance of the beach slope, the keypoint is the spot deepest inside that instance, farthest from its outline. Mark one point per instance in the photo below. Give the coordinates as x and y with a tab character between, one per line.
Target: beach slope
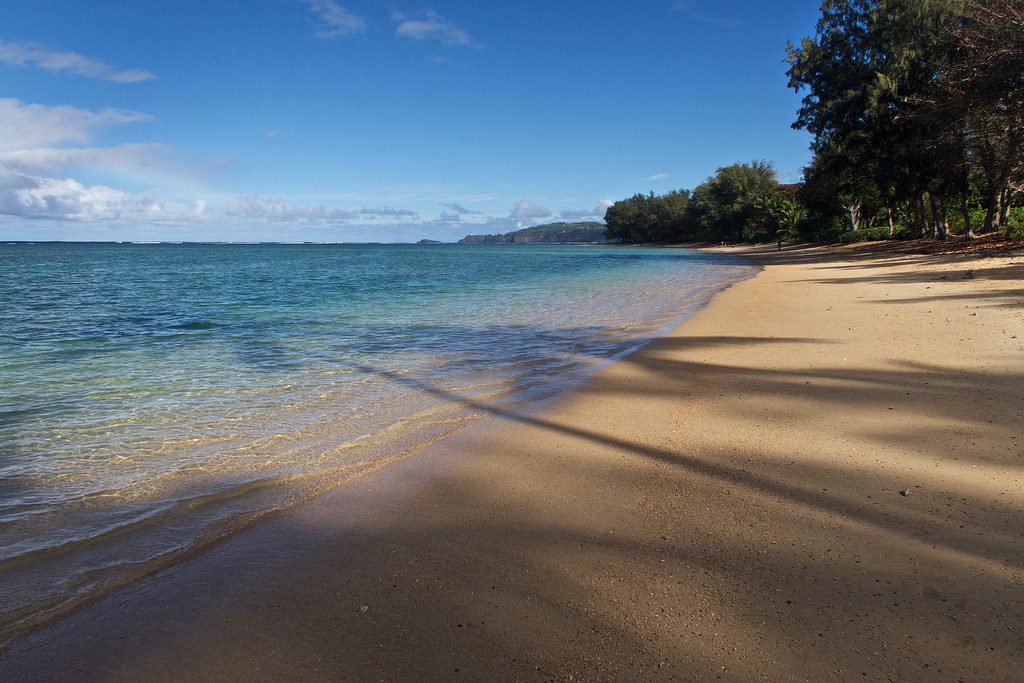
820	476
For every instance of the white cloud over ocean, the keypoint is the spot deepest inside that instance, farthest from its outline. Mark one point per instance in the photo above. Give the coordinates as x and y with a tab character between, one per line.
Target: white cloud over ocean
66	199
37	185
277	210
24	125
32	187
524	212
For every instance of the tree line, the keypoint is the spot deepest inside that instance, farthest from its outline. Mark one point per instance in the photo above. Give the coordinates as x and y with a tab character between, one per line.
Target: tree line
916	108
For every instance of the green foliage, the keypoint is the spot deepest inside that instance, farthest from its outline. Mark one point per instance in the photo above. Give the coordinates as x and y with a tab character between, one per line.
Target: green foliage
650	218
1015	228
724	207
956	220
825	230
865	235
917	113
781	211
906	232
916	108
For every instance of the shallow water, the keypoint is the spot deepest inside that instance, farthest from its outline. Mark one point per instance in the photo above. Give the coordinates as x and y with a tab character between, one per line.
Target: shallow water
156	397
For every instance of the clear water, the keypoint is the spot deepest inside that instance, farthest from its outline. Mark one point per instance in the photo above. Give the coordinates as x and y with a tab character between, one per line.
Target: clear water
156	397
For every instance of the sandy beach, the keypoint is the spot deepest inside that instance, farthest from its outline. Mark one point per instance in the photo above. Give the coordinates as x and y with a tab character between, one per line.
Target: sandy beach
818	477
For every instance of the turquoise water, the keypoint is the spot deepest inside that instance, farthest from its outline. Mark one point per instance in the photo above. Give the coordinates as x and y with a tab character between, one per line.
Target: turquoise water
156	397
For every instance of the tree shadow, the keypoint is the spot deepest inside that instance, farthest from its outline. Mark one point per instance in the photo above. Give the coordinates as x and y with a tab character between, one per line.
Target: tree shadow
949	267
990	298
492	566
885	388
470	573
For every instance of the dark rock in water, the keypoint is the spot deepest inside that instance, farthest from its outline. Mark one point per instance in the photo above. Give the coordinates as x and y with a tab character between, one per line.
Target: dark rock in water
969	275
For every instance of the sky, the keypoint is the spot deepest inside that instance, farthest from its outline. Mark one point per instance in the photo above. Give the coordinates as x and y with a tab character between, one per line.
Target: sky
377	121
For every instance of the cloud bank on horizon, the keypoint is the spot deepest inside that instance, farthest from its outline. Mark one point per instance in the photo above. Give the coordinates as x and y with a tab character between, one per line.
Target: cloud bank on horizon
81	161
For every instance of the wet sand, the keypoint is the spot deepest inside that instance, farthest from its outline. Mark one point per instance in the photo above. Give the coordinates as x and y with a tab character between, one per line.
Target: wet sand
820	476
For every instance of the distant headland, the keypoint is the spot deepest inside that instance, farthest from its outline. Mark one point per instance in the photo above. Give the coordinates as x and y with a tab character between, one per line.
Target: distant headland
551	233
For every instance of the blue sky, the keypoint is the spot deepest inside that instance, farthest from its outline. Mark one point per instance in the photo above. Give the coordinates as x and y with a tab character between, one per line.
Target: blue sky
362	120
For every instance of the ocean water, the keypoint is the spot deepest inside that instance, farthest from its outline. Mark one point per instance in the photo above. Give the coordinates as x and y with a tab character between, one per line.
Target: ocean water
154	398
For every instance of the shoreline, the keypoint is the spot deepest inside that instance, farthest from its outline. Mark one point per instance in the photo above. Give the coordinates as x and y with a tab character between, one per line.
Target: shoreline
725	501
452	411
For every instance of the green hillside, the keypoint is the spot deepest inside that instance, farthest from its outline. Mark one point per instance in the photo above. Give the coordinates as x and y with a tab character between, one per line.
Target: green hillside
551	233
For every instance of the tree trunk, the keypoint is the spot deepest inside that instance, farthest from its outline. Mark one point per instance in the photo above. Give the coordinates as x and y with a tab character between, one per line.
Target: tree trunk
992	210
922	215
892	224
854	210
1004	207
965	204
939	222
965	210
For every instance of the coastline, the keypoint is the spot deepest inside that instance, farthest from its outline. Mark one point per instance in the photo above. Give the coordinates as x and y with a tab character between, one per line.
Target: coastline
725	501
341	395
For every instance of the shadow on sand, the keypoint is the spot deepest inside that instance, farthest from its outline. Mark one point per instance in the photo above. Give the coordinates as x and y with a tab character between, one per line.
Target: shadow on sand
438	569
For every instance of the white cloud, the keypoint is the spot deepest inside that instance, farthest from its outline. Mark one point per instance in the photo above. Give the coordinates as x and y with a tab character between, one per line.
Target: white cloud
138	156
27	196
31	197
525	211
445	220
388	212
432	27
656	177
277	210
56	198
459	209
23	54
595	214
31	125
691	9
337	21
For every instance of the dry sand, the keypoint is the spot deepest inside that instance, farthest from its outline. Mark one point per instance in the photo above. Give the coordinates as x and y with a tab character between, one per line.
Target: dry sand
725	503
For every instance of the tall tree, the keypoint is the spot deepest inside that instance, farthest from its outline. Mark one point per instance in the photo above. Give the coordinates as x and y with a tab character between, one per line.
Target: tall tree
866	74
982	80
